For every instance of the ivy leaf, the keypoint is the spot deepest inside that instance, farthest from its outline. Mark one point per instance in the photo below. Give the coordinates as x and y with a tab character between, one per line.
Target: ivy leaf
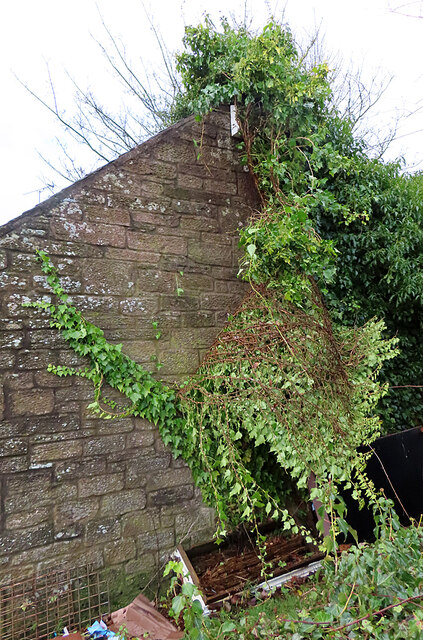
251	250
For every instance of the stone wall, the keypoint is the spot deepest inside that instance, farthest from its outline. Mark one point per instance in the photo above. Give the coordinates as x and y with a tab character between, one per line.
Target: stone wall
75	488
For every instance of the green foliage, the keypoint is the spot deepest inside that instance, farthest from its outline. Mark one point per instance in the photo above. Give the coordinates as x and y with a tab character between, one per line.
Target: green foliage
380	271
373	593
185	601
293	385
147	397
294	401
330	211
298	394
311	405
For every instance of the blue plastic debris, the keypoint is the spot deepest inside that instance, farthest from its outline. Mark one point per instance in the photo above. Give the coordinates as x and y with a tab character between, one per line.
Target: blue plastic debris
99	630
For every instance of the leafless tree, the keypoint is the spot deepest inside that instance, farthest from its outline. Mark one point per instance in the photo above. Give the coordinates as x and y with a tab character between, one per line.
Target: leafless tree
149	96
412	9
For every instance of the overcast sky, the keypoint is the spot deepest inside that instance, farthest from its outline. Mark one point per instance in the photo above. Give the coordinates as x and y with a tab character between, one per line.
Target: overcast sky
60	34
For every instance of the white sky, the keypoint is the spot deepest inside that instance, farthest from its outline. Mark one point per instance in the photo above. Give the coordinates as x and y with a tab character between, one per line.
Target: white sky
32	34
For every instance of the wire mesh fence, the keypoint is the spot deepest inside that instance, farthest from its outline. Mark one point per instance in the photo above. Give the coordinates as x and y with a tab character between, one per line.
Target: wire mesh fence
36	608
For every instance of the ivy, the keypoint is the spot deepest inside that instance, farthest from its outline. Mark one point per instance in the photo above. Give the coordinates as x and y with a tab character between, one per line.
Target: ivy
296	382
147	397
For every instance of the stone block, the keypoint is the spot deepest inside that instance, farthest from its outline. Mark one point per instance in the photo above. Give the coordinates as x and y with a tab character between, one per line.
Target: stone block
88	232
24	519
40	425
173	263
140	469
145	563
146	306
69	533
220	301
204	171
100	485
144	425
95	303
221	286
157	243
104	445
45	338
7	359
50	380
228	187
71	469
154	217
133	524
162	171
220	118
178	362
52	451
103	530
12	447
155	540
169	478
156	204
225	140
64	492
179	303
75	393
199	319
108	277
78	556
118	466
119	551
235	217
194	338
174	151
54	552
153	280
83	510
13	282
15	464
195	196
187	181
210	253
17	541
35	359
173	496
128	454
123	502
11	339
12	324
193	203
29	402
128	255
221	158
109	214
167	521
200	536
199	223
34	481
106	427
195	281
140	439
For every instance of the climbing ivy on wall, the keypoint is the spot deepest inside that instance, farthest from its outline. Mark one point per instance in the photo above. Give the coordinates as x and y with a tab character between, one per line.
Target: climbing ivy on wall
366	217
292	386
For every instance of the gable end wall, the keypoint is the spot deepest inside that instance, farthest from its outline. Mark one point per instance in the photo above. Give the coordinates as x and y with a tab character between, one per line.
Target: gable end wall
76	489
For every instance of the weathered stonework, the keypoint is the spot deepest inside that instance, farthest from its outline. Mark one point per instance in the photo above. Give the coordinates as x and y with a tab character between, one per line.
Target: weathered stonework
75	488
